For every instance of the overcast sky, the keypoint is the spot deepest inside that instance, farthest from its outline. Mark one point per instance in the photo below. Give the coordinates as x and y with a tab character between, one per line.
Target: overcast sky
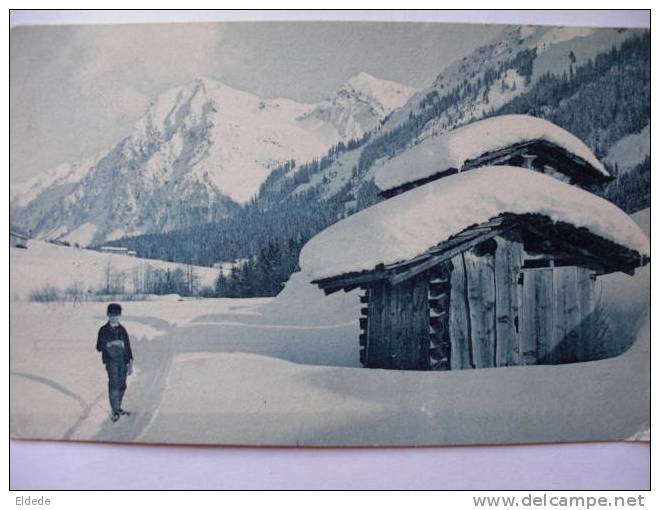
78	89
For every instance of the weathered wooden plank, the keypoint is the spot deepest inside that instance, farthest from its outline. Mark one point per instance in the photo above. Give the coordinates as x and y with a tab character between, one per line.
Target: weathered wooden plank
481	298
508	261
585	290
400	314
562	346
408	325
536	322
334	283
459	318
376	348
420	323
567	316
389	311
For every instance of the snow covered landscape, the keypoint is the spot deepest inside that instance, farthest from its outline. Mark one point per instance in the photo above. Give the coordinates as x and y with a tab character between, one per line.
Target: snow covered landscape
285	371
233	205
47	265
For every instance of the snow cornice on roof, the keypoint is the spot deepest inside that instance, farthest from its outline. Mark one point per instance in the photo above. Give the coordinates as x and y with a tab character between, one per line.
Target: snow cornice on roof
515	140
408	225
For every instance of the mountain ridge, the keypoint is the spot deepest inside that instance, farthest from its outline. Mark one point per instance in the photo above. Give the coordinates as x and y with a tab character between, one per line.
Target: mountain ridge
197	152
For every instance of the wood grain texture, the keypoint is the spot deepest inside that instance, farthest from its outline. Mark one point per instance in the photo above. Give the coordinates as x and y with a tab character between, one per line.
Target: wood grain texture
537	327
481	299
508	261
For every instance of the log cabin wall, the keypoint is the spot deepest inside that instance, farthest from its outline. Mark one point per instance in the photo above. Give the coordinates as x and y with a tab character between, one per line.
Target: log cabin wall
558	314
396	325
503	314
439	304
484	313
486	308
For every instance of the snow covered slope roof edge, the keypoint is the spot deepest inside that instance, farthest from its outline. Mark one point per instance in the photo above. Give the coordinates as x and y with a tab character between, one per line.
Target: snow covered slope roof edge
407	225
454	149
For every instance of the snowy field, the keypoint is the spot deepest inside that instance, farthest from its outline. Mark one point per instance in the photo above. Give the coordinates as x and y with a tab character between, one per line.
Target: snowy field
284	371
62	267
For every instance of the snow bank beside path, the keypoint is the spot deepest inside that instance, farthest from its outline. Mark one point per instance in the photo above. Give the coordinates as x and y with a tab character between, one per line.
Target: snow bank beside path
248	399
58	382
407	225
302	303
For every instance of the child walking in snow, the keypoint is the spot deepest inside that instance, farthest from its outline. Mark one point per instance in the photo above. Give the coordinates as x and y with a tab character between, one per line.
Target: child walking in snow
117	357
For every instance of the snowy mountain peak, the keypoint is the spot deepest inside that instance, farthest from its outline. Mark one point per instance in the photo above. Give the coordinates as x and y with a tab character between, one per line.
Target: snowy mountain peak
198	150
360	104
390	94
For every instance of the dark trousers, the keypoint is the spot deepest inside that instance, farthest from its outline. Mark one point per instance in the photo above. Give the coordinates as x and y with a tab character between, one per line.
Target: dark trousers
116	383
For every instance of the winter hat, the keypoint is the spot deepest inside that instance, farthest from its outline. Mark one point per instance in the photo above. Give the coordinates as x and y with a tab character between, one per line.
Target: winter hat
114	309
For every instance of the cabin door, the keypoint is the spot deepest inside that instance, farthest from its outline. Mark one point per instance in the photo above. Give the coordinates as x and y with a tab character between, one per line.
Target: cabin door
555	309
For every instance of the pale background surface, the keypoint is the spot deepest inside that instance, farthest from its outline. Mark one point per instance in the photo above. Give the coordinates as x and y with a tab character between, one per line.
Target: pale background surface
52	465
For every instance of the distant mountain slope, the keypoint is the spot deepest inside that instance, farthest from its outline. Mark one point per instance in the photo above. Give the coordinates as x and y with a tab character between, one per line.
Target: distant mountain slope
198	152
297	201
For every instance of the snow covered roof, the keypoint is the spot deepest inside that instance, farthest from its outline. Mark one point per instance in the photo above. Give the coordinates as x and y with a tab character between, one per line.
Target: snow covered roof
409	224
453	149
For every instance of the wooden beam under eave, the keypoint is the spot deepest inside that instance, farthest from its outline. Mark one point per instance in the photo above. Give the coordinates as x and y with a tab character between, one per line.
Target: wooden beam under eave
446	255
562	235
336	283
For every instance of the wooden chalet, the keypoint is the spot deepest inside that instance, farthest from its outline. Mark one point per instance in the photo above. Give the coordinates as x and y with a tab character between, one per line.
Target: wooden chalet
511	289
517	290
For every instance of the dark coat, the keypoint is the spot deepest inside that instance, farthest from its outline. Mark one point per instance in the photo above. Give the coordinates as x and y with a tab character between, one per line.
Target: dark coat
108	334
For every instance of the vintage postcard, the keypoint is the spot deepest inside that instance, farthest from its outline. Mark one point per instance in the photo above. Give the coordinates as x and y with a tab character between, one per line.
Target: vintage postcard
329	233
